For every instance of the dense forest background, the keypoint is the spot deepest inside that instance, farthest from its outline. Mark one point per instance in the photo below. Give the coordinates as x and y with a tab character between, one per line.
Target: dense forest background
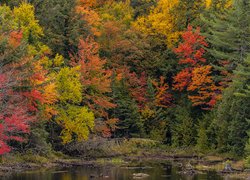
175	71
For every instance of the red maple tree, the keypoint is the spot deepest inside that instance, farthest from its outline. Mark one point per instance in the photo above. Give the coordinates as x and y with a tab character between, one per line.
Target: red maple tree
196	77
15	113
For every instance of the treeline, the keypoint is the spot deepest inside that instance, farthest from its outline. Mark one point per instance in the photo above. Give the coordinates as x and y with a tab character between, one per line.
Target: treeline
173	71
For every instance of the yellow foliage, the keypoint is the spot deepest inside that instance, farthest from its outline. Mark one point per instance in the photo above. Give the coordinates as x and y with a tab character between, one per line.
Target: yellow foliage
24	16
75	120
69	85
6	19
219	4
58	60
161	21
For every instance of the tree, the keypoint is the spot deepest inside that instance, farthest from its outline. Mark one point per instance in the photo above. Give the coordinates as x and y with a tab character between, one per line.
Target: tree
202	140
15	113
196	77
169	18
23	74
162	97
247	152
95	79
25	19
142	7
229	34
127	111
72	117
232	113
183	130
161	21
85	8
64	25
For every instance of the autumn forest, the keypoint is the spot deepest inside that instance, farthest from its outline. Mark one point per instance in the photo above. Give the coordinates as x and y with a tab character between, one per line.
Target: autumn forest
172	71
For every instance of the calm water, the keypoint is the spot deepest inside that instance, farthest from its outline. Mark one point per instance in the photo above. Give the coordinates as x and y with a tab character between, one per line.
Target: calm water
155	172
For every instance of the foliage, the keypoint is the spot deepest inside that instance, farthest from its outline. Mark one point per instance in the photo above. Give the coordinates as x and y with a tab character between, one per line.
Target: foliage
183	131
96	81
229	38
70	70
161	21
196	78
74	119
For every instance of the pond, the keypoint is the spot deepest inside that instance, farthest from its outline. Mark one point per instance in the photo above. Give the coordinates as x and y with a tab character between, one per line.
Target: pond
156	172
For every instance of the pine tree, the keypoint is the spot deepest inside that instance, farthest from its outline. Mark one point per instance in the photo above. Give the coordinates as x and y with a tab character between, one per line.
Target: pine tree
202	141
233	111
247	151
64	26
229	34
129	124
183	130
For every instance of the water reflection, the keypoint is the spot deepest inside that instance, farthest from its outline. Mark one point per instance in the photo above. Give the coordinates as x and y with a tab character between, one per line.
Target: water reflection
156	172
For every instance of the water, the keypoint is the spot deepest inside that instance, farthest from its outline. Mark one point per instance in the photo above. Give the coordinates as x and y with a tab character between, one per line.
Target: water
155	172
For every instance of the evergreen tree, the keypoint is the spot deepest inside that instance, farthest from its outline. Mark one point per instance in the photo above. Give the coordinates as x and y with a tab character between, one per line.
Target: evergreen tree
233	111
183	130
247	151
202	141
129	124
229	34
63	27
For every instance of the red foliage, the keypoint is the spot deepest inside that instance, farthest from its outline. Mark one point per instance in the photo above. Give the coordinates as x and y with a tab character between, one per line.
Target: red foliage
196	79
13	114
15	98
138	87
34	96
191	51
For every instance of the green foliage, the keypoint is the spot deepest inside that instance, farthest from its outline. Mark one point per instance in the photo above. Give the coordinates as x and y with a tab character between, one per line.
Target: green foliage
127	111
230	121
38	140
63	26
117	11
229	33
183	132
202	140
142	7
247	151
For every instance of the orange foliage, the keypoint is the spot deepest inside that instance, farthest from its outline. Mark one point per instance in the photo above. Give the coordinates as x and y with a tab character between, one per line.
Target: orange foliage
95	78
15	38
162	98
203	85
182	79
85	9
196	78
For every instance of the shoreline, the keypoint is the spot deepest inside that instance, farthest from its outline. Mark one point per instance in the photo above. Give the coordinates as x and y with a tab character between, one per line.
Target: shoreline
199	165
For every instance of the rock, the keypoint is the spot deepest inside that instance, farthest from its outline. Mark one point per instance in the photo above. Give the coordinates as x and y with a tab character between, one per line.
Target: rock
228	168
140	175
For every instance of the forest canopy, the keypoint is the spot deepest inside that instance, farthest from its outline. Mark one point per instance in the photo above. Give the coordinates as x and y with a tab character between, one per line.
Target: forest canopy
175	71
